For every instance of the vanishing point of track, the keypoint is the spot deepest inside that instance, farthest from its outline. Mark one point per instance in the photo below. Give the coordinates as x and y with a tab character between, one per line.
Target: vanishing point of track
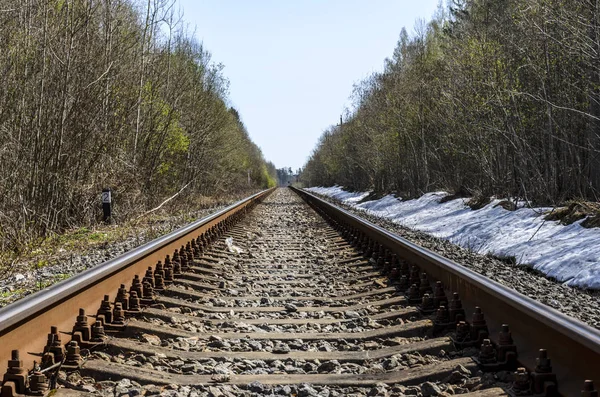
269	294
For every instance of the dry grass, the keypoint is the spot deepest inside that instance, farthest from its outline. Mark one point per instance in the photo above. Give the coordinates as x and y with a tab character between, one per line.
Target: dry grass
38	253
479	201
576	210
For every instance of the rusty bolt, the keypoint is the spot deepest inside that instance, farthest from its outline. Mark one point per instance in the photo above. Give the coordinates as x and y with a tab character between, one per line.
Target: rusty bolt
123	297
457	313
176	269
463	331
16	373
455	303
487	353
589	390
505	336
442	316
427	302
53	337
134	302
136	285
105	310
53	351
521	381
439	296
158	282
149	277
413	292
184	262
478	318
544	364
196	251
98	334
424	284
148	291
479	329
56	336
403	284
38	384
15	364
82	318
82	326
118	314
169	274
73	354
159	271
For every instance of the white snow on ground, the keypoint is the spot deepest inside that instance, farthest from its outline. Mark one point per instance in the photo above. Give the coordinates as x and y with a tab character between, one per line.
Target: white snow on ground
339	193
569	253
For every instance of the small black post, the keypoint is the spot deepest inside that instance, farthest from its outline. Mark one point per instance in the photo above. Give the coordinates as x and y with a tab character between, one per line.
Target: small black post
106	205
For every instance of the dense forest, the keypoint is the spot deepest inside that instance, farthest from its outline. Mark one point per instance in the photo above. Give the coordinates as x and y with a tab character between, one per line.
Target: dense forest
491	97
111	93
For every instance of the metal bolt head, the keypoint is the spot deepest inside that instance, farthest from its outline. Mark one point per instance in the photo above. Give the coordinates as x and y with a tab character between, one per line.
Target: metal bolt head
589	390
521	377
73	348
505	336
544	364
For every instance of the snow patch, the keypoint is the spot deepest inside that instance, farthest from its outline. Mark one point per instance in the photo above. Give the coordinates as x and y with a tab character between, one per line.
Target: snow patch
338	193
570	253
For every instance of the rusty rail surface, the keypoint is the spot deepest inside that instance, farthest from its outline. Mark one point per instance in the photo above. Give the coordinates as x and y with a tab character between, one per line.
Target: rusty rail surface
24	325
574	347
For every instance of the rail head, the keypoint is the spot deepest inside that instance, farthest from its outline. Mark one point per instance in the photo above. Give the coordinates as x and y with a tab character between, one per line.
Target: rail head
33	304
574	343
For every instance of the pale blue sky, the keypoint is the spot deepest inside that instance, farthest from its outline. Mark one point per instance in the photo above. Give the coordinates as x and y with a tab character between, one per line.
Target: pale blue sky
292	63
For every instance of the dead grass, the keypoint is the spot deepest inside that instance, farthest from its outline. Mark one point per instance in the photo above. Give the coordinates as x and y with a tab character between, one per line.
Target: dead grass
575	211
461	192
372	196
508	205
41	252
478	202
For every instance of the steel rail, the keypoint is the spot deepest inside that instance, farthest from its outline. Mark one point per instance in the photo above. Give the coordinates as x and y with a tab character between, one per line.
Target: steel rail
573	346
57	305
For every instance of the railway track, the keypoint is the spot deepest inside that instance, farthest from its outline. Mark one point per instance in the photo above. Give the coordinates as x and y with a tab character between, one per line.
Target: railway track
270	297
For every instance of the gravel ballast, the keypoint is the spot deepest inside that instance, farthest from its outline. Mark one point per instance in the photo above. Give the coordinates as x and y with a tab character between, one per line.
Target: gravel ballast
24	278
581	304
241	328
